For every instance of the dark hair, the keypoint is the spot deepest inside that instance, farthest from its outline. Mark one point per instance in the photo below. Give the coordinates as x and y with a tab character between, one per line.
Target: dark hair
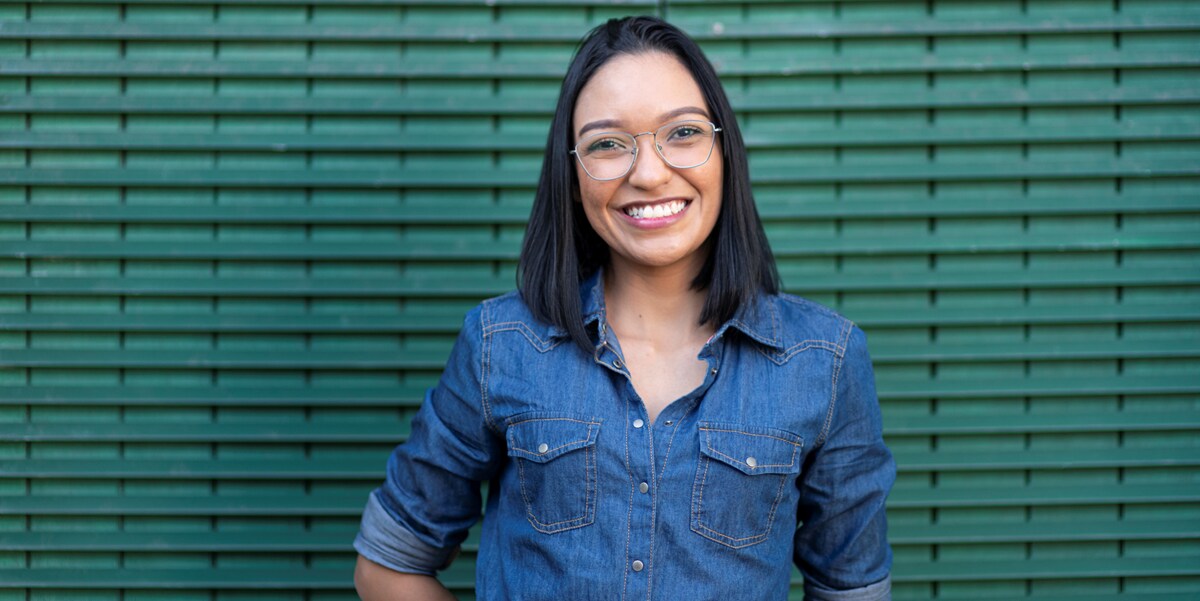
561	249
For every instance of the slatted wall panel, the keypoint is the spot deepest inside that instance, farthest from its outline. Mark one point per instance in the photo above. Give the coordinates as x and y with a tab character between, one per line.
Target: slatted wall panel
236	240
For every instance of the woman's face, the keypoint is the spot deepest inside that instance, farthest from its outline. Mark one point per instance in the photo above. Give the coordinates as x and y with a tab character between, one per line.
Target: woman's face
635	94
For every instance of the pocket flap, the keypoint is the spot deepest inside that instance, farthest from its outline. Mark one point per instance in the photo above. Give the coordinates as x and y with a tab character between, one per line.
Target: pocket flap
752	450
540	439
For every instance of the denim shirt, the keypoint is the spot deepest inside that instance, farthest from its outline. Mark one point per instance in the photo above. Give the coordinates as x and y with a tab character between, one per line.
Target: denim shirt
776	458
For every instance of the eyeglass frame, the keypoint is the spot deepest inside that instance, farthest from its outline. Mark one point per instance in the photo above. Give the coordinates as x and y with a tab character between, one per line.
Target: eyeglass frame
657	149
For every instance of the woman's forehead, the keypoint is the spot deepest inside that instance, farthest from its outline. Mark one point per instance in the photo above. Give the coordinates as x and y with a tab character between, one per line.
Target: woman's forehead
639	89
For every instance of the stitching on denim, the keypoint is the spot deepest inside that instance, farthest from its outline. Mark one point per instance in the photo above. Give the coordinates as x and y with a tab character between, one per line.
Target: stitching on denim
667	455
781	357
709	429
590	477
774	311
628	517
538	343
653	512
584	440
698	501
838	361
486	364
553	527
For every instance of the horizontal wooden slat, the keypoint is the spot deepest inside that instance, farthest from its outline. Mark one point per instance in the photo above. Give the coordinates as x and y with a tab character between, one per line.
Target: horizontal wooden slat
180	542
804	283
1041	531
328	578
396	431
351	469
1094	421
1125	203
709	29
183	578
497	69
889	389
352	505
340	541
508	178
487	250
449	323
1059	386
1045	568
460	104
342	505
422	3
1094	493
810	138
190	396
370	358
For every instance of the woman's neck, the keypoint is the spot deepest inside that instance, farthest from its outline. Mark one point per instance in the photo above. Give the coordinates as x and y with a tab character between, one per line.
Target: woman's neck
655	305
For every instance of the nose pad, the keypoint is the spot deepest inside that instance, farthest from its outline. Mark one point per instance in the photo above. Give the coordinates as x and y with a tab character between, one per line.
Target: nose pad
660	171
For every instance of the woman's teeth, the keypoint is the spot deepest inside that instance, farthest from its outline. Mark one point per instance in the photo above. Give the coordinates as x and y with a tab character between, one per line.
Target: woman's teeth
665	209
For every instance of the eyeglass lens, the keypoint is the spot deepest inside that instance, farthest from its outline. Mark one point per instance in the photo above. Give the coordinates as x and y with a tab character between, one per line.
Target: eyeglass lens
683	144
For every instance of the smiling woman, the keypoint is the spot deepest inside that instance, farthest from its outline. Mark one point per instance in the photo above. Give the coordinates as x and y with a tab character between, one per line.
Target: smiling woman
656	420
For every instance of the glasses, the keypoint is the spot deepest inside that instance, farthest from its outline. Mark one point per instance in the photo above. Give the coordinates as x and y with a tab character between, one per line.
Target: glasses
610	155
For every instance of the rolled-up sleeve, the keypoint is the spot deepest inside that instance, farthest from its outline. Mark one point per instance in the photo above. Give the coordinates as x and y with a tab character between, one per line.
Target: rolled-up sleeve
430	498
841	546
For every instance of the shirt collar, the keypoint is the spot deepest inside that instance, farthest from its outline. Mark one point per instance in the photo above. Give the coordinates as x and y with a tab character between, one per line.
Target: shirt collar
757	318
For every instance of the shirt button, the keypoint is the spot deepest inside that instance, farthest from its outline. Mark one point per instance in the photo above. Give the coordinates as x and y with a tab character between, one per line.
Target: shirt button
637	565
542	448
637	423
669	422
714	371
643	487
752	462
617	363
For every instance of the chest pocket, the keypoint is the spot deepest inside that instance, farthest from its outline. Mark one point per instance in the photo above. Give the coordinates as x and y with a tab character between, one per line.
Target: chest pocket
740	480
555	456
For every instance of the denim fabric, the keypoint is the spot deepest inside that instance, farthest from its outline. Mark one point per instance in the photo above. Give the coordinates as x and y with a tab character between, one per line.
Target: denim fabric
777	458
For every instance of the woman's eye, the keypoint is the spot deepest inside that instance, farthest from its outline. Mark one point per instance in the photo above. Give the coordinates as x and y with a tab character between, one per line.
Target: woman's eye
685	133
604	145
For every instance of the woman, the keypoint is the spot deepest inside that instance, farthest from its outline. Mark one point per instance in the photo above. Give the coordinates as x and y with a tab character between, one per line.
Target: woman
654	419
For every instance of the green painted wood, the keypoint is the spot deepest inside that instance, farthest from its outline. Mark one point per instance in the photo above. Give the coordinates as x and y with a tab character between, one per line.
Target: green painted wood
531	70
1003	194
1099	203
329	505
498	32
475	104
340	541
423	358
802	246
329	578
444	323
348	469
398	396
396	431
417	286
500	178
535	141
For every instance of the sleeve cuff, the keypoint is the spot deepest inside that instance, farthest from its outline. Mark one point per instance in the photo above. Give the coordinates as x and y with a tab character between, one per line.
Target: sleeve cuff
386	542
880	591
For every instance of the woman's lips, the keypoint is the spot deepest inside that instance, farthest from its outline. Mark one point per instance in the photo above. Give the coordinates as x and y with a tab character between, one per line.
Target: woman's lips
653	221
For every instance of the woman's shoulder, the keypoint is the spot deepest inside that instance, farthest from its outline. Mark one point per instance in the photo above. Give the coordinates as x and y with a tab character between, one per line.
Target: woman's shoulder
508	312
802	323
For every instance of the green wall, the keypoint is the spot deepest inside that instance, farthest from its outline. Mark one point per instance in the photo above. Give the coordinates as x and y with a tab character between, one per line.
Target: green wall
236	240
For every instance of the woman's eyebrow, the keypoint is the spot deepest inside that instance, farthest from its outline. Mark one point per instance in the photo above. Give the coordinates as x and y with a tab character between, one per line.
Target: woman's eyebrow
613	123
683	110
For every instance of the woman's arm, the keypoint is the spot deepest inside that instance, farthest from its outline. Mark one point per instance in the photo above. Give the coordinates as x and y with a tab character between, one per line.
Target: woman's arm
842	546
377	583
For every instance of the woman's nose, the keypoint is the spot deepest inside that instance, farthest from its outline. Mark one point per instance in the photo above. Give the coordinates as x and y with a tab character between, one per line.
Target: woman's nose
649	169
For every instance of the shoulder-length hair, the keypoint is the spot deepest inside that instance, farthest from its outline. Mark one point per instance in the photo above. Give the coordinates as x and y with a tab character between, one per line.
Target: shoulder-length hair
561	249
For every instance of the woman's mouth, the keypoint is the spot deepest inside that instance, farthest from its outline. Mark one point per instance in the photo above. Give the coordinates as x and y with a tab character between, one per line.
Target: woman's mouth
654	211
